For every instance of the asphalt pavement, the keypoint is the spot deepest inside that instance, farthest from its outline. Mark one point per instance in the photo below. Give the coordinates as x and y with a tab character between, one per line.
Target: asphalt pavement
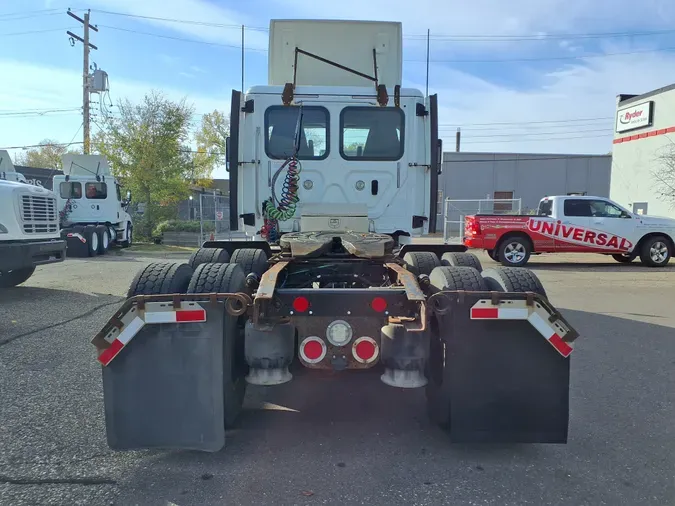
342	439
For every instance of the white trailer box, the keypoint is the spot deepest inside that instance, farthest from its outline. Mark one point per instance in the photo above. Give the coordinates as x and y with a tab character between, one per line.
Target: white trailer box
342	42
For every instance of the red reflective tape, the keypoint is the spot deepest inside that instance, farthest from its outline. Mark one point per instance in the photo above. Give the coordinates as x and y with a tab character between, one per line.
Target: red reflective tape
652	134
642	136
111	352
560	345
670	130
485	312
661	131
618	141
193	315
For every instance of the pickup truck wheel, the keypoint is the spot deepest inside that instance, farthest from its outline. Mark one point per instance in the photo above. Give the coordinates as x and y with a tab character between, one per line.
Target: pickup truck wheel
251	260
438	389
421	262
461	260
514	252
624	259
10	279
512	279
655	251
161	278
227	278
208	256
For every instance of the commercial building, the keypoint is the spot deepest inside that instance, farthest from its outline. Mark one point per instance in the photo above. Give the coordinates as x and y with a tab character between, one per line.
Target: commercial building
643	154
529	177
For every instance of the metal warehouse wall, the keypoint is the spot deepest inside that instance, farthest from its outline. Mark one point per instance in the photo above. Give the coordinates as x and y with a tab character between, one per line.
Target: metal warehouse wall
528	176
636	156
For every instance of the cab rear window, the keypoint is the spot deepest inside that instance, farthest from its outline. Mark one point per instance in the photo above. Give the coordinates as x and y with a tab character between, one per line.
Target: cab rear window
70	190
372	133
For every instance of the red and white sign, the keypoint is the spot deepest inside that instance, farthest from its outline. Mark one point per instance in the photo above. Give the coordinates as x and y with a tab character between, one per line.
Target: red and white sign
634	116
579	235
219	215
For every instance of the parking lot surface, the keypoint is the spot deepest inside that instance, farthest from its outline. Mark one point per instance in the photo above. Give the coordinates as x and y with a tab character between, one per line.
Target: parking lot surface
342	438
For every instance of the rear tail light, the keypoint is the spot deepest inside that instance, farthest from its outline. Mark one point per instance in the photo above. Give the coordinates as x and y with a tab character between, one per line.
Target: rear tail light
301	304
379	304
365	350
312	350
471	226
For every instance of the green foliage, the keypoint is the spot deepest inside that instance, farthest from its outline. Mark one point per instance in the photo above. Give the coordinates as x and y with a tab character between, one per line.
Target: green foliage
210	138
181	226
47	156
146	148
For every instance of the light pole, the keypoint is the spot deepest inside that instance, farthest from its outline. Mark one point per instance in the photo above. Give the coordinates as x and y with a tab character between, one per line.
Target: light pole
190	208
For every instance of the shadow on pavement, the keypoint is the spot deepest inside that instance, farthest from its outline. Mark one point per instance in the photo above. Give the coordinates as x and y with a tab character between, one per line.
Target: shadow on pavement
348	438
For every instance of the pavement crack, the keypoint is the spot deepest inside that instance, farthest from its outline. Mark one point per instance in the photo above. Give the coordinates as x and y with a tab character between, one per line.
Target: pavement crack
93	480
53	325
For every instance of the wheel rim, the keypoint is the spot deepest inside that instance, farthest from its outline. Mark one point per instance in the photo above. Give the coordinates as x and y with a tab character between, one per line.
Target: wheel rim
94	241
514	252
658	252
106	240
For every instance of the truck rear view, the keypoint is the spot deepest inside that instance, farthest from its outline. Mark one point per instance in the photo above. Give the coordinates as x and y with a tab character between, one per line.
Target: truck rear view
332	172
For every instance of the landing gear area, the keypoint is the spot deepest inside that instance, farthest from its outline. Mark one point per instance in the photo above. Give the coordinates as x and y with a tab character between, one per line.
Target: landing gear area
92	240
486	345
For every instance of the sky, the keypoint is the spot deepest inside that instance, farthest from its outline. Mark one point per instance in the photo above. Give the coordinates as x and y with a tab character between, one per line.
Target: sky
524	76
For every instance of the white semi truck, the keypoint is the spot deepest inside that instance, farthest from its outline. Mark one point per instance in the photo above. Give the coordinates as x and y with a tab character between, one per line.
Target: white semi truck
29	226
333	172
93	213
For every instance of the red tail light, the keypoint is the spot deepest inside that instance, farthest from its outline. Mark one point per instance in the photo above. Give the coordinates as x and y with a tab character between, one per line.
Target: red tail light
379	304
312	350
471	226
300	304
365	350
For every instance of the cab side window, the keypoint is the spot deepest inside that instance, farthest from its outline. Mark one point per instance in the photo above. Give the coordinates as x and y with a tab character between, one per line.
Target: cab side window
119	193
577	208
603	209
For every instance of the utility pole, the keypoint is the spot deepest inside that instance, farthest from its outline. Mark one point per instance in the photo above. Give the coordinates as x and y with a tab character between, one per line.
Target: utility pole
85	73
458	139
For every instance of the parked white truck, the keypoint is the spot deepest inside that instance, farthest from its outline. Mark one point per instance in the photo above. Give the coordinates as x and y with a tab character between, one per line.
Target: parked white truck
29	226
93	213
333	168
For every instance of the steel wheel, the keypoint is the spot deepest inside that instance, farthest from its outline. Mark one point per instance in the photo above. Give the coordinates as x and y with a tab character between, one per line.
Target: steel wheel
658	252
514	252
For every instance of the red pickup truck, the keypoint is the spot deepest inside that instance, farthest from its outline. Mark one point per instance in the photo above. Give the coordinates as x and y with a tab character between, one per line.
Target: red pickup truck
573	224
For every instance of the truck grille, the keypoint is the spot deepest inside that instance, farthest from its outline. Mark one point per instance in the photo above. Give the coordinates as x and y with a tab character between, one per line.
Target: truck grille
39	214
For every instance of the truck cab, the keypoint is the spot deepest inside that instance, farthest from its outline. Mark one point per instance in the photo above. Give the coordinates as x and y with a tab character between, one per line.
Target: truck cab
93	213
29	226
333	142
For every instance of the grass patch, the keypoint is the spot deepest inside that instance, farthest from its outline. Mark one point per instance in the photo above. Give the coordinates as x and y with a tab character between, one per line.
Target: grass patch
148	247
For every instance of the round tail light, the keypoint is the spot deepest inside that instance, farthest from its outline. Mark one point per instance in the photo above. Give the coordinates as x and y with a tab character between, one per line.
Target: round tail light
312	350
365	350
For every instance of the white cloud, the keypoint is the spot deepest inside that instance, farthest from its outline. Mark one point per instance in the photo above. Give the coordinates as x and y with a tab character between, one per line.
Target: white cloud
191	10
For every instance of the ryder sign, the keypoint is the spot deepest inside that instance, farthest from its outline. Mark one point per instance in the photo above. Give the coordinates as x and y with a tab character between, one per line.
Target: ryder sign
634	116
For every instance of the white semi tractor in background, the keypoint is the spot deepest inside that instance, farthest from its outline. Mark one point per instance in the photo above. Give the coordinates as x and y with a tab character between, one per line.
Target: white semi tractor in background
29	226
333	172
93	213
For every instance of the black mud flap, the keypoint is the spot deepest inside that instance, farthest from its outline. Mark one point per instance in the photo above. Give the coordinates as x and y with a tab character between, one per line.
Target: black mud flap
504	381
165	387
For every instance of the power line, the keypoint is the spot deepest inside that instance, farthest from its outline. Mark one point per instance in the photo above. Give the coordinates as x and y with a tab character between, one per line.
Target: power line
551	58
528	122
35	31
536	133
437	37
549	139
21	13
495	159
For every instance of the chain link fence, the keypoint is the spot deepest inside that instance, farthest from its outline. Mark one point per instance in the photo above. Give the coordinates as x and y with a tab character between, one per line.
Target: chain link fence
454	212
214	219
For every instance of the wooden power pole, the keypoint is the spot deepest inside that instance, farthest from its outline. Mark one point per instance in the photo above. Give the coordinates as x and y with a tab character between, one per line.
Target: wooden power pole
85	74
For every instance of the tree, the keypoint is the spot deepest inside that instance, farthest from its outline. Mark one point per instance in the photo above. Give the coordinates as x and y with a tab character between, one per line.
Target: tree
210	138
46	156
664	174
146	148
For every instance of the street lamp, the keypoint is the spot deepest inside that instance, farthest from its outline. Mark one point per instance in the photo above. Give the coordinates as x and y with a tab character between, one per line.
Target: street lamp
190	208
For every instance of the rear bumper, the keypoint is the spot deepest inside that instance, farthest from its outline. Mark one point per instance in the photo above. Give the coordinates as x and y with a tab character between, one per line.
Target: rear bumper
474	242
30	254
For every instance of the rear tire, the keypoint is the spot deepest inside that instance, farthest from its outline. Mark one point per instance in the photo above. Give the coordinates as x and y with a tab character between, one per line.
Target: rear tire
461	260
438	390
251	260
208	256
16	277
514	251
161	278
103	239
421	262
129	234
655	251
227	278
624	259
91	236
513	279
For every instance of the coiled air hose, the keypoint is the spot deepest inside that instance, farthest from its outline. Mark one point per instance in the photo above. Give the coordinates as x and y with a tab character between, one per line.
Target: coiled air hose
282	209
